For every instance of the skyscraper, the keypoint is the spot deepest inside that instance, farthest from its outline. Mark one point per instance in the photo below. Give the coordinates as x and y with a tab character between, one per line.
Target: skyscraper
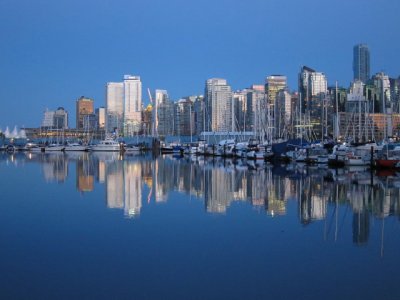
100	117
256	107
219	105
361	63
61	118
84	107
55	119
199	114
313	87
132	104
274	84
313	90
163	114
183	118
114	106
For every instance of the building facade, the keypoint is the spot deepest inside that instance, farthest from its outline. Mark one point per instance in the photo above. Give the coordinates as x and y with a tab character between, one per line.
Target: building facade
100	117
283	114
240	109
164	114
219	105
274	84
114	106
57	119
256	108
132	105
199	114
184	118
160	99
313	88
84	107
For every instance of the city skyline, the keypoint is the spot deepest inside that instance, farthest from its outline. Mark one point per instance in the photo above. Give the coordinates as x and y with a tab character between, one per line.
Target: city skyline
177	46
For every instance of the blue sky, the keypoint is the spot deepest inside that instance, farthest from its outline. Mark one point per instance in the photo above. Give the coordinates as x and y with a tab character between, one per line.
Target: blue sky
52	52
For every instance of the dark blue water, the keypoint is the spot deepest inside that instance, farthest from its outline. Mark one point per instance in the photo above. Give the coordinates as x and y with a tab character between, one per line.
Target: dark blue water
110	227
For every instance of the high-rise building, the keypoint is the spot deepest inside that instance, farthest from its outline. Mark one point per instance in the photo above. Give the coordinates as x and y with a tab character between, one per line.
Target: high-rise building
313	88
361	63
359	125
395	94
84	107
384	101
256	108
61	118
274	84
283	114
382	84
132	105
163	114
240	108
183	118
199	114
161	96
147	120
101	117
48	119
114	106
55	119
219	105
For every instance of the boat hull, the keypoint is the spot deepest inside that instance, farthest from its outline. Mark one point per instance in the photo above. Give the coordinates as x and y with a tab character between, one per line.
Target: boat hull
386	163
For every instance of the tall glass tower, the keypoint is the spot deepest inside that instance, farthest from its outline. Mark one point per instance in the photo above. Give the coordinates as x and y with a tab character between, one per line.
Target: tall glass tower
361	62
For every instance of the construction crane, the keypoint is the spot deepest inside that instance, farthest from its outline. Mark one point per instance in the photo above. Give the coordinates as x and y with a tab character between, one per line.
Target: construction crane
150	97
154	114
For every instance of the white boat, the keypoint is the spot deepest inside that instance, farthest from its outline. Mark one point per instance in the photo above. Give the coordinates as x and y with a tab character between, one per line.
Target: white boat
241	149
191	150
254	155
36	149
355	160
132	149
108	145
202	148
322	159
32	147
339	155
226	148
54	148
76	147
262	151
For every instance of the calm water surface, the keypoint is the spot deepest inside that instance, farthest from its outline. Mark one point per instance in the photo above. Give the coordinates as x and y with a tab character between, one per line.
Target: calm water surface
105	226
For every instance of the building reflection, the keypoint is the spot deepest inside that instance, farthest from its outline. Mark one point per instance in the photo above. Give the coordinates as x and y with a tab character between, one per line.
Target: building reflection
320	194
133	182
55	167
85	172
124	180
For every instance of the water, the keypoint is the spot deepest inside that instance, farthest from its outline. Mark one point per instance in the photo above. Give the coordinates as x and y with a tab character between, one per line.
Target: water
104	226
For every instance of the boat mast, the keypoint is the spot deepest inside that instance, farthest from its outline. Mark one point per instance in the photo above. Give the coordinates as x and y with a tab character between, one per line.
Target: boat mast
337	112
384	112
190	120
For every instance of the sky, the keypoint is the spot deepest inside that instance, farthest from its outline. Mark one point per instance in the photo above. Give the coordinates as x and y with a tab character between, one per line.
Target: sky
53	52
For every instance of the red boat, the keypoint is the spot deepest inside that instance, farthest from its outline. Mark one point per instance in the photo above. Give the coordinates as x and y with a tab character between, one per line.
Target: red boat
387	162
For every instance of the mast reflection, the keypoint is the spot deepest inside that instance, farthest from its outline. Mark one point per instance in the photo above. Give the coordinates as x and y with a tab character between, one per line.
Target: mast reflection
320	194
